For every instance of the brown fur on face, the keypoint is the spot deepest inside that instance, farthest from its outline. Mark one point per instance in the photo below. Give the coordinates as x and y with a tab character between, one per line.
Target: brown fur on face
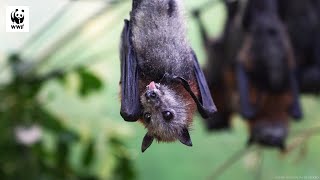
177	100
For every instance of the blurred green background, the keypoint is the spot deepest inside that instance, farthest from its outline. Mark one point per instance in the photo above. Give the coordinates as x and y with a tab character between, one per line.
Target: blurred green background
95	118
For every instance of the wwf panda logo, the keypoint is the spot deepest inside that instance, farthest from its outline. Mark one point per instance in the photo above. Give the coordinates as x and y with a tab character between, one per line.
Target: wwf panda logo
17	16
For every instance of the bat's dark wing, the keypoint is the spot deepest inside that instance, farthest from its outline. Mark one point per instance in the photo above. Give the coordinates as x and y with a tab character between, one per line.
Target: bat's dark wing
208	107
130	100
295	109
247	110
205	105
309	80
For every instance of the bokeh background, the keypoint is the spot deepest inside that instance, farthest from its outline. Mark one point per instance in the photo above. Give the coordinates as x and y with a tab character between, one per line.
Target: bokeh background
75	114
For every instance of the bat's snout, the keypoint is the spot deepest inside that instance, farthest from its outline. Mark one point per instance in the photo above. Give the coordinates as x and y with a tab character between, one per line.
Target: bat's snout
152	86
151	94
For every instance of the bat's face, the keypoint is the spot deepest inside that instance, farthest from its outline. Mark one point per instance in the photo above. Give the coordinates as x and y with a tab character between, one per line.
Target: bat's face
272	134
165	114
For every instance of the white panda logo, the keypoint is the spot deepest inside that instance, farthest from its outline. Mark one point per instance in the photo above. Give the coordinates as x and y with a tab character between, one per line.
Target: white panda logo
17	16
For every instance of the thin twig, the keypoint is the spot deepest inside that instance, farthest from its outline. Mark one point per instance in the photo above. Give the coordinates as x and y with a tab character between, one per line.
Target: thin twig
69	36
304	131
258	174
36	36
301	137
229	162
93	40
58	15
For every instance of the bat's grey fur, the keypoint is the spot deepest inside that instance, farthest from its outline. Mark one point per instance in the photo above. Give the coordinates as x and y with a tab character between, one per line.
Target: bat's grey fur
159	38
160	43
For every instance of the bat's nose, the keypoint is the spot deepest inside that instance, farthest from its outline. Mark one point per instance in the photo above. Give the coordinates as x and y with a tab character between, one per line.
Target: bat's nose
151	94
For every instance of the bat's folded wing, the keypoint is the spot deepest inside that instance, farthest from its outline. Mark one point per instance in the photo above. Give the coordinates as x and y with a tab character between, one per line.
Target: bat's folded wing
247	110
208	107
205	105
130	100
295	110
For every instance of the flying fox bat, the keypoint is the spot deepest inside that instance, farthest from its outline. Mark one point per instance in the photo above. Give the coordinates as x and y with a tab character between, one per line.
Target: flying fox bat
266	60
302	19
266	75
219	69
162	83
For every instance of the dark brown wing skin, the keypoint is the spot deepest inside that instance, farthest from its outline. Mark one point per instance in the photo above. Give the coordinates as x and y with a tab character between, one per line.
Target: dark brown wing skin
130	99
248	111
208	106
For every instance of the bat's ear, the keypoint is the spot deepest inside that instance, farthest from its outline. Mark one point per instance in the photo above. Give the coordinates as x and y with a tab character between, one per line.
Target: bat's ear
184	138
147	141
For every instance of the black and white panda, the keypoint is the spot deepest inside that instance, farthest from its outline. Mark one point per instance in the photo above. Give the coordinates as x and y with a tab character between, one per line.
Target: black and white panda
17	16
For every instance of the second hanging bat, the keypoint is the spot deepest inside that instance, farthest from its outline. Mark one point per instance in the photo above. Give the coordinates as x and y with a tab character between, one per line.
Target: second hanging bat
162	83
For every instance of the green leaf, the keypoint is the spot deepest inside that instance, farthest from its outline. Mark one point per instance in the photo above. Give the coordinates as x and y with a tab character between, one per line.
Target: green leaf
88	153
62	79
89	82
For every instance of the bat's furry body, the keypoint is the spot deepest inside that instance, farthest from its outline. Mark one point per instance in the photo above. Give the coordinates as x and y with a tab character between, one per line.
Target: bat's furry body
167	79
265	72
159	39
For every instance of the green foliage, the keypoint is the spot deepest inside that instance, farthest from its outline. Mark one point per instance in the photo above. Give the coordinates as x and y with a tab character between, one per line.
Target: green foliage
88	82
36	144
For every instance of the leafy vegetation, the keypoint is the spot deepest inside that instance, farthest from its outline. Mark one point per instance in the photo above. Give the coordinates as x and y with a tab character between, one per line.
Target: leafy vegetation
83	136
35	143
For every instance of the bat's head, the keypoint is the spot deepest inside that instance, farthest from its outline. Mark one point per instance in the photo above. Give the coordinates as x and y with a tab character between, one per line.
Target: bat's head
270	58
165	115
269	133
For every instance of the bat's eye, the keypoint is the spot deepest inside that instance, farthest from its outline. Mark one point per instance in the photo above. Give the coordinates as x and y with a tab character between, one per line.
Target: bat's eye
167	115
147	117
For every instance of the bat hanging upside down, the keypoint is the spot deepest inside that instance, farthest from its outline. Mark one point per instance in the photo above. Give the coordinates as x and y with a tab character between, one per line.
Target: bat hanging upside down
162	83
266	78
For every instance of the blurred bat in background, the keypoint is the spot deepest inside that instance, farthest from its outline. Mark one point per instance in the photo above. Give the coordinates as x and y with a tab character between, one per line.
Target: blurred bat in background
161	80
265	72
302	19
219	69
